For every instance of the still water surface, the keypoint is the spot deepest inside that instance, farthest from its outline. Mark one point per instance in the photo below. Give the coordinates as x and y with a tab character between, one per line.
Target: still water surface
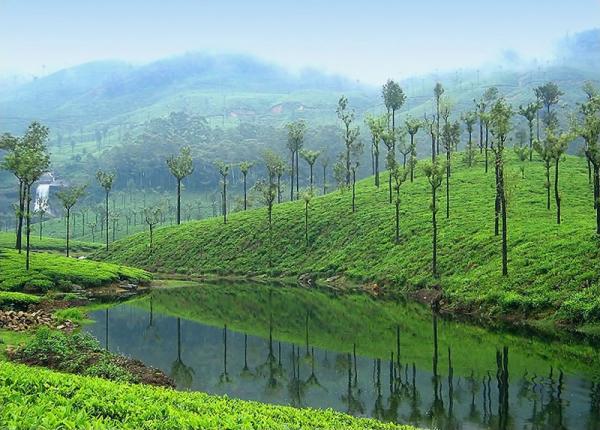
391	361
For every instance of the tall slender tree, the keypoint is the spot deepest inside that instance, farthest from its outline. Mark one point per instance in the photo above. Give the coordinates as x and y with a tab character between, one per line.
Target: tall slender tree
558	143
529	112
311	158
470	119
388	138
544	149
450	138
431	125
350	135
296	132
438	91
324	163
549	95
152	216
400	175
245	167
393	98
180	166
589	129
435	175
69	197
224	172
106	179
500	117
377	126
412	127
307	196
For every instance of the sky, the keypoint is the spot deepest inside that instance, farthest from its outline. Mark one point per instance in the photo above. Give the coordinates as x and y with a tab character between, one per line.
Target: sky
367	40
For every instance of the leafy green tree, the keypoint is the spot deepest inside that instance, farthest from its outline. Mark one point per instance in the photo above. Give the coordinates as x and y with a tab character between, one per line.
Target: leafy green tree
106	179
435	176
588	128
529	112
393	98
438	91
377	126
245	167
470	119
412	127
276	167
27	159
68	198
180	166
500	116
296	132
223	171
311	158
400	175
549	95
152	216
307	196
352	145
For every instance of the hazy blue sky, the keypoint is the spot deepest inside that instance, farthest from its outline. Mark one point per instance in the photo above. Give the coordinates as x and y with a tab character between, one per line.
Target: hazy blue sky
369	40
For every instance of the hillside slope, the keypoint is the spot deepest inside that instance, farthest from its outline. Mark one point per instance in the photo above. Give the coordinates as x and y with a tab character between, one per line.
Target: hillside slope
553	269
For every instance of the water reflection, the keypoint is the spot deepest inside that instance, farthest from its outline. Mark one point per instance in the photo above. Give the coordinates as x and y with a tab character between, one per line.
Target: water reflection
417	381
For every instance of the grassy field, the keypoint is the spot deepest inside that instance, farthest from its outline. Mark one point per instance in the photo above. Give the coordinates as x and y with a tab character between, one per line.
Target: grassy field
50	271
553	269
7	240
41	399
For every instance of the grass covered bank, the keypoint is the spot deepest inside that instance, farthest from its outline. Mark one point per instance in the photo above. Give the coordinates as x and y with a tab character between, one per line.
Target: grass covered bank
42	399
50	272
553	269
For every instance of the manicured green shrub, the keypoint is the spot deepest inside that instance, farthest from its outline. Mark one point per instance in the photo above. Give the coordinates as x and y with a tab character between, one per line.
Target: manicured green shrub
41	399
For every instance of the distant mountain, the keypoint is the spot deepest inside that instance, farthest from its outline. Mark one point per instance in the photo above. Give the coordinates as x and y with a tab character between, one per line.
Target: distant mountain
109	91
230	89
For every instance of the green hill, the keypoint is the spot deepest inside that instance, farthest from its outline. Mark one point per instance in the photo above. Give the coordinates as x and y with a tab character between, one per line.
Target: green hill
553	269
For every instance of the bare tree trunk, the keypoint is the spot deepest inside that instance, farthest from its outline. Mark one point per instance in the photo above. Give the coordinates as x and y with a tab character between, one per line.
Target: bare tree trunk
28	226
487	135
497	204
547	165
597	195
397	222
448	183
353	191
434	223
306	222
178	201
292	178
297	176
556	193
224	200
19	239
245	193
504	226
68	230
106	215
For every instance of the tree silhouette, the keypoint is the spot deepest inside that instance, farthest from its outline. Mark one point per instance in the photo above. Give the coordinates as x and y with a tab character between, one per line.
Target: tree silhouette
377	127
393	98
106	179
500	116
435	175
180	166
438	91
152	217
412	127
589	129
223	171
296	131
529	112
68	198
245	167
350	135
311	158
470	118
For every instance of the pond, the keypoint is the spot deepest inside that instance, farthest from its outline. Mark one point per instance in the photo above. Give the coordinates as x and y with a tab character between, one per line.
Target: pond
391	361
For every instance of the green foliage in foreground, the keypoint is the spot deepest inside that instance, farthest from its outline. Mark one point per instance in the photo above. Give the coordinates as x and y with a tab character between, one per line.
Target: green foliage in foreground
11	298
553	269
7	240
51	271
42	399
78	353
